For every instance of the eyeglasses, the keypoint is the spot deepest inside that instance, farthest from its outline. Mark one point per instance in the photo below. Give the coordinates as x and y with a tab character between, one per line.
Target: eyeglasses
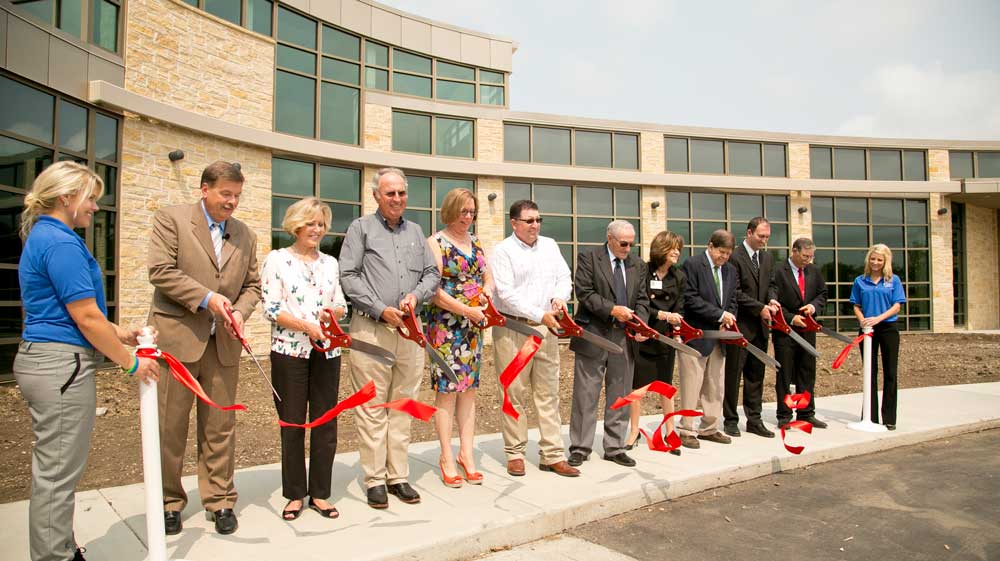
622	244
530	221
466	212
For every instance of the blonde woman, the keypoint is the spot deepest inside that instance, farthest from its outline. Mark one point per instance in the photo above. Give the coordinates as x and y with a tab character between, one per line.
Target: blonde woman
877	296
66	332
299	282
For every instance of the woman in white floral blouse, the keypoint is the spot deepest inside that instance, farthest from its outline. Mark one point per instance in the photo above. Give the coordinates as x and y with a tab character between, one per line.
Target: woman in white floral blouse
298	283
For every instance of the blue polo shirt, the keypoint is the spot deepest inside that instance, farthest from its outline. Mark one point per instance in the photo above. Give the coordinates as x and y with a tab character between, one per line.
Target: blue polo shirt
56	268
874	299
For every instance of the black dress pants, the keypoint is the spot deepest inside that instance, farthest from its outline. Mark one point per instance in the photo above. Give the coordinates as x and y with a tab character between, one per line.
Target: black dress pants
740	364
885	341
797	367
306	383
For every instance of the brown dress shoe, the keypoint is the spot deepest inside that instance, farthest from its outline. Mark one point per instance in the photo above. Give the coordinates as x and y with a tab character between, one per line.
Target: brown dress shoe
515	467
561	467
715	437
689	441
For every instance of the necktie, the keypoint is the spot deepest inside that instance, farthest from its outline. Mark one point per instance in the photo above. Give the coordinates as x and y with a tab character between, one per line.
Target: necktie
618	284
802	286
718	282
216	231
754	263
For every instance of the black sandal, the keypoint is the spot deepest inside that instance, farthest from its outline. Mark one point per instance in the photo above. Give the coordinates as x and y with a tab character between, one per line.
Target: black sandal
324	512
288	514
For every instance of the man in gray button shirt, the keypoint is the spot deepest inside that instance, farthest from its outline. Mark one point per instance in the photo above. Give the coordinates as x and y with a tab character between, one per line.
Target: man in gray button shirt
386	268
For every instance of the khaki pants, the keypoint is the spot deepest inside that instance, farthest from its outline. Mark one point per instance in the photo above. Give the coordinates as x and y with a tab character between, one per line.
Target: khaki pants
385	434
215	432
702	378
540	379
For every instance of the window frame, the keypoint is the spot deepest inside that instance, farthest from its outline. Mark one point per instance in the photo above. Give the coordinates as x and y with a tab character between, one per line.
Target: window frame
433	133
612	156
867	159
726	157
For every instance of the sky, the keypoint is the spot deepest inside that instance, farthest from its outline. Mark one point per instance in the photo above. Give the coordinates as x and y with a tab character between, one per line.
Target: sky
908	69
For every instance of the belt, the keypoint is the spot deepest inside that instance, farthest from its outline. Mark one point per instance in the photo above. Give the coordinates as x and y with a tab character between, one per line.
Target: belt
369	316
532	323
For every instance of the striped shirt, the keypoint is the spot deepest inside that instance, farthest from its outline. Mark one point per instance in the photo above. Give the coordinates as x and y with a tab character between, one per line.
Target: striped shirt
528	278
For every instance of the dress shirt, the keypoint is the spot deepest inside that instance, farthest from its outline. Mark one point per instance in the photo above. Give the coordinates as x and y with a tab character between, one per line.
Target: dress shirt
528	277
222	228
750	251
612	257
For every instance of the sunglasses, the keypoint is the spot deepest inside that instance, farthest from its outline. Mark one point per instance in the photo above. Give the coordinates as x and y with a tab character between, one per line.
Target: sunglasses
622	244
394	194
530	221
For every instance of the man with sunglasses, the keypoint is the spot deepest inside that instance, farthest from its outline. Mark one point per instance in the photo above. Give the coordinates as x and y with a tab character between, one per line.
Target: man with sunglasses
609	288
532	284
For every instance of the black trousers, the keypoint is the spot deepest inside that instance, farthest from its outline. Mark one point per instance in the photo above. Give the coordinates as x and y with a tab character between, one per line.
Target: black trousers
885	341
797	367
306	383
740	364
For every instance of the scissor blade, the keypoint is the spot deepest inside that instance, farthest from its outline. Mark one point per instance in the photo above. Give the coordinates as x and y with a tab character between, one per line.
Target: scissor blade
679	346
521	327
712	334
264	376
762	356
374	351
441	363
803	343
838	336
602	342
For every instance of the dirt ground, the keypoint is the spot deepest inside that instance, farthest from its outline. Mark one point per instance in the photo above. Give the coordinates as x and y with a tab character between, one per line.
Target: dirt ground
115	457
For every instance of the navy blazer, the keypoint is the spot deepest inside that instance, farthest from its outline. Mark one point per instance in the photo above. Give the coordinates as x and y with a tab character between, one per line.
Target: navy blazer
701	299
595	297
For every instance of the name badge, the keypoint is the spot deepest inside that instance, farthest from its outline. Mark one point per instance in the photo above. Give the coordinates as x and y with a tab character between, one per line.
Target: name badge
656	284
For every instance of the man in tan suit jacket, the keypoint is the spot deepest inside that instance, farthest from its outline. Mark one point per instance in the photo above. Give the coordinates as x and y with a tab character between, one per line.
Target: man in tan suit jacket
202	260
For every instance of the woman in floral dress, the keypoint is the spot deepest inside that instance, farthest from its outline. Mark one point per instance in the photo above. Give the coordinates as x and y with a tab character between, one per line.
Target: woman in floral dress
298	283
451	322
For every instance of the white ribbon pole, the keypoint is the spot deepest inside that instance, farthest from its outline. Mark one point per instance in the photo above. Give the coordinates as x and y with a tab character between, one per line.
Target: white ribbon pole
866	424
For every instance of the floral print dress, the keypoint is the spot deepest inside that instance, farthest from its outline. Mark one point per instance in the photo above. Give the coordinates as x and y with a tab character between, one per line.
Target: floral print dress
455	336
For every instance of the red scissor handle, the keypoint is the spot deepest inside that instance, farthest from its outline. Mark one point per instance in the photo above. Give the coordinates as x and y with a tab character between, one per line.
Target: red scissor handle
411	327
778	323
334	334
812	326
567	327
686	332
493	317
741	342
636	326
236	329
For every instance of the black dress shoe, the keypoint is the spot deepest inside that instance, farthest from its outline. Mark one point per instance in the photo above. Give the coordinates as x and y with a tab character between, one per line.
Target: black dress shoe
733	430
816	423
78	554
621	459
760	430
225	520
576	459
377	497
677	451
891	427
172	522
404	492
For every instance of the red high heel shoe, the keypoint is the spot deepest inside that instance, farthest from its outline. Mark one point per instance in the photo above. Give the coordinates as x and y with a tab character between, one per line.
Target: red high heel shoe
453	482
473	477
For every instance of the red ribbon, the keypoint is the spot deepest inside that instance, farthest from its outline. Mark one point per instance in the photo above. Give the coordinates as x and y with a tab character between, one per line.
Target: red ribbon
409	406
662	388
672	442
521	359
183	375
799	401
839	361
362	396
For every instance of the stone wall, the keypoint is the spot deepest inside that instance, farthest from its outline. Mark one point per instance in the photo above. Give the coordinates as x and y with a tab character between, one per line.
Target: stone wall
981	230
654	220
652	157
800	225
942	281
489	140
938	165
378	128
798	160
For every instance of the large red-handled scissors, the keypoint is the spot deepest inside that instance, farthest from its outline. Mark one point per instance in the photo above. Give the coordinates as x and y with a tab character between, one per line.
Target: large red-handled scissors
493	318
246	346
636	326
778	323
814	326
569	328
336	337
688	333
411	330
754	350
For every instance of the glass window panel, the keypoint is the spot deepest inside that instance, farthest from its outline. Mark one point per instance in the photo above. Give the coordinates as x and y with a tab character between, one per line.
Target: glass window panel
918	307
960	164
850	264
409	62
823	235
989	164
593	200
295	59
411	85
289	177
554	198
677	205
887	211
411	133
69	16
259	16
914	290
593	149
891	236
822	209
916	236
454	137
886	165
919	323
559	228
339	113
849	163
779	254
376	54
20	162
677	154
9	283
706	156
708	206
779	237
852	210
516	146
10	321
331	245
744	207
343	215
776	207
842	291
703	232
418	191
110	176
491	95
513	192
341	71
848	325
627	202
104	240
338	43
41	9
339	183
11	206
376	79
852	236
917	267
456	91
228	10
72	126
744	158
626	151
297	29
914	165
104	25
421	217
567	254
550	146
491	77
774	160
105	137
443	185
25	110
916	212
825	260
681	228
820	163
294	104
281	239
591	230
279	206
448	70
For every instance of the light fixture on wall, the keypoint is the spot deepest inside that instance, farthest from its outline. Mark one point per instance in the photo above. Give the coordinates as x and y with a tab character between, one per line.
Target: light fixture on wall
942	211
802	210
176	155
237	166
655	204
491	197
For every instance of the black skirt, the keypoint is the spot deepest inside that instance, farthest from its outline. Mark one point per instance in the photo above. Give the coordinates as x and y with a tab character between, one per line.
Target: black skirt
652	367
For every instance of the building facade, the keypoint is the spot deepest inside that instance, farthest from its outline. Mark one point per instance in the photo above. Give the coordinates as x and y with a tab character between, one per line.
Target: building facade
311	96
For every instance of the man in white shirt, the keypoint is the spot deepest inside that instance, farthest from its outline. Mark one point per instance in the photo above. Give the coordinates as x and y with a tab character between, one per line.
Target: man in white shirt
533	283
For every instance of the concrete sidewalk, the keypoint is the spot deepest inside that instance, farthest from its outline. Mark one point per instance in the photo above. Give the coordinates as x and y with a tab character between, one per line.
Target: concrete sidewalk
453	524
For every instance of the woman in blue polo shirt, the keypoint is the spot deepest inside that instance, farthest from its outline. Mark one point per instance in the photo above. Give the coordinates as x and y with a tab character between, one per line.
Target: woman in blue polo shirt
877	296
66	332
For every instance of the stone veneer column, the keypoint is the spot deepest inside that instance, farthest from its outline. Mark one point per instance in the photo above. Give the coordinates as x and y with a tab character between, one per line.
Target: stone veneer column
798	160
981	231
938	166
651	148
368	204
654	220
378	127
800	225
489	140
942	282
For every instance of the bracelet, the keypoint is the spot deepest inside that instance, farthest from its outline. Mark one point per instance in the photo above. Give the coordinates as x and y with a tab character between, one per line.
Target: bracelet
132	369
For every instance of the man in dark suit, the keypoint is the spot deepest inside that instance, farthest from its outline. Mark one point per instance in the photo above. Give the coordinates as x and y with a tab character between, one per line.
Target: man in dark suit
709	303
754	265
609	288
798	289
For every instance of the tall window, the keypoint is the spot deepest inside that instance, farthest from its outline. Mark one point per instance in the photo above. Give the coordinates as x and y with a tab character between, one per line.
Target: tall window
425	195
433	134
696	215
958	271
729	157
881	164
550	145
101	28
38	127
974	164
